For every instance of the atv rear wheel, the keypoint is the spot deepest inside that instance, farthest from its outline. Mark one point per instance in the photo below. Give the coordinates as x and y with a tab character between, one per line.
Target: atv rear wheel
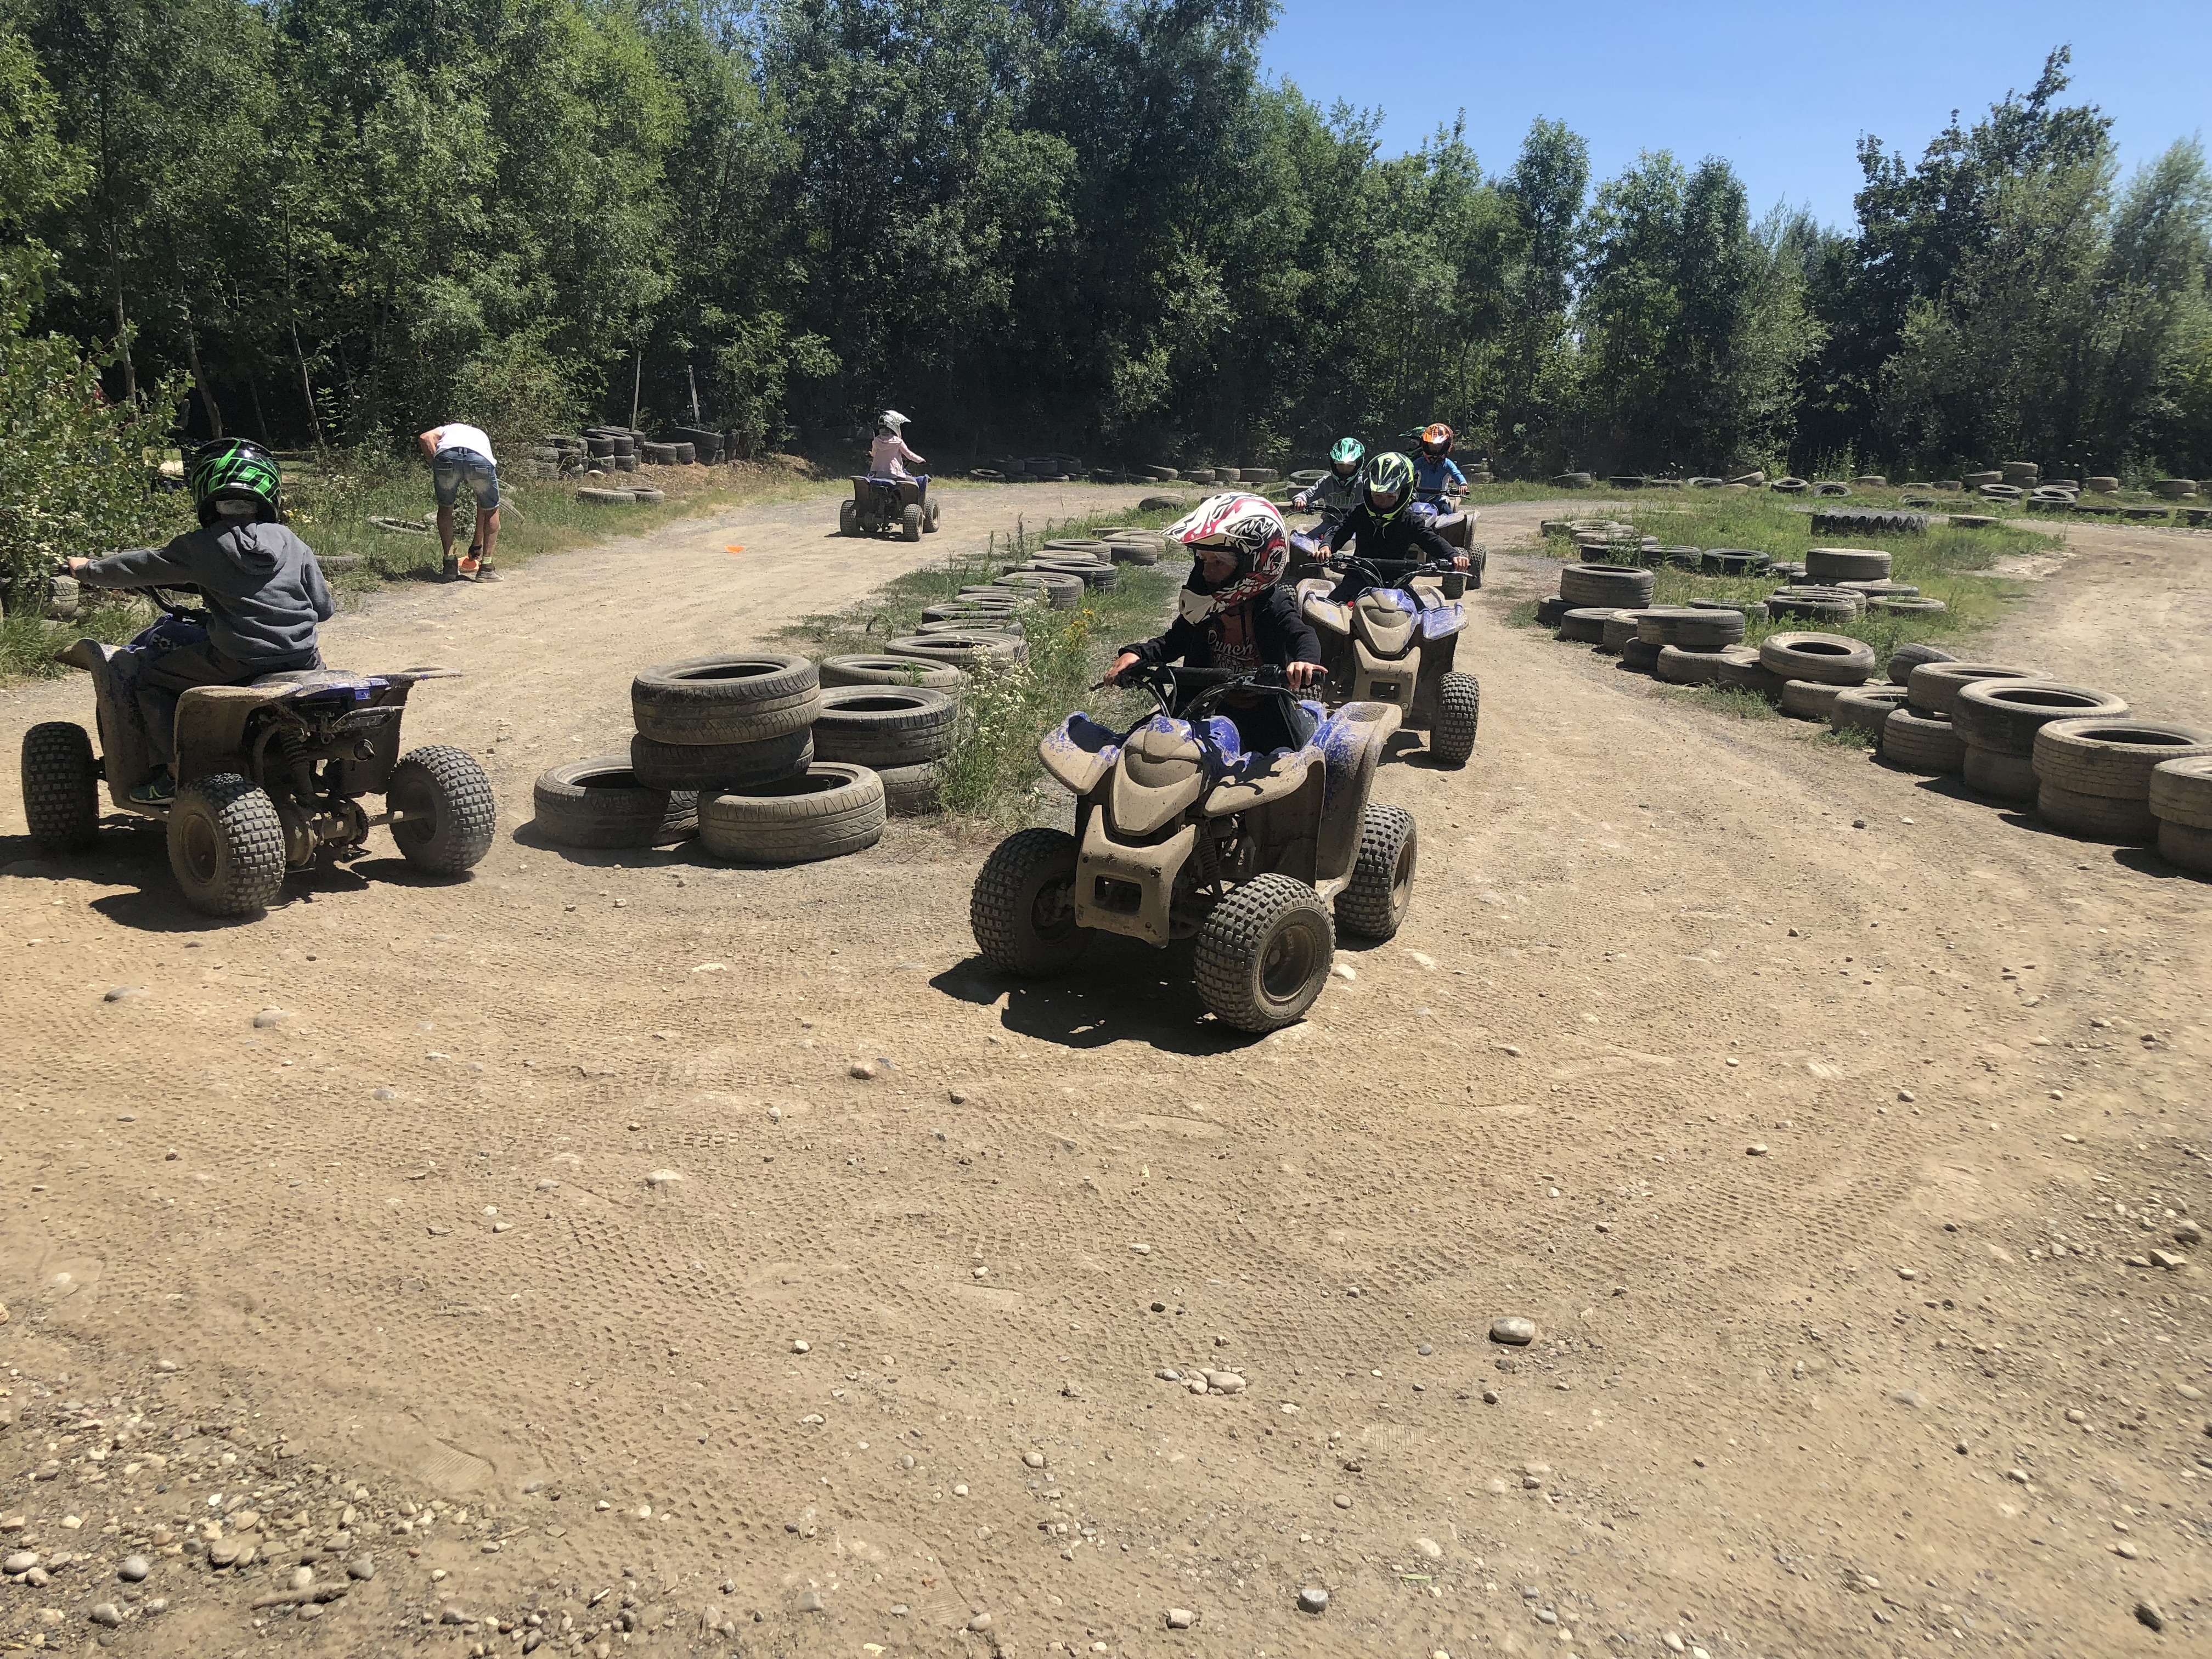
1374	906
910	522
61	788
226	845
448	812
1022	909
848	518
1265	952
1459	709
929	519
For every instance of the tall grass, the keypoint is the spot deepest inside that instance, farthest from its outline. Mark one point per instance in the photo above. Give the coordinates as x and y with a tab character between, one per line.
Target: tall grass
992	773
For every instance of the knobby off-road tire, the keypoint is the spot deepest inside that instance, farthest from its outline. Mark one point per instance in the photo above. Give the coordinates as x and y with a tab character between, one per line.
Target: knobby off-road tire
600	804
735	699
61	788
879	726
1381	891
1265	952
890	671
450	814
829	810
910	524
226	845
848	518
1459	712
697	766
1022	909
1922	743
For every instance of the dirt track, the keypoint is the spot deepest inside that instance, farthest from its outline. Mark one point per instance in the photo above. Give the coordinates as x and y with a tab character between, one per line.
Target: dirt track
1806	1145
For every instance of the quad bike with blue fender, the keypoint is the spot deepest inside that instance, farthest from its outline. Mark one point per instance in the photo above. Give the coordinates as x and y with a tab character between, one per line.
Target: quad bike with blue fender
1181	833
1394	639
269	776
882	506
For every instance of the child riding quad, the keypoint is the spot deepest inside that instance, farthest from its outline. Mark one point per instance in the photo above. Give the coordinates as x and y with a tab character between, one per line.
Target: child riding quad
1437	485
1389	634
1234	814
1333	497
887	496
224	724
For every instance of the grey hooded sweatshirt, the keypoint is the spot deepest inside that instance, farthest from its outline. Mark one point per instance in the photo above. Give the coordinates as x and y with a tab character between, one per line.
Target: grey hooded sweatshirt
264	590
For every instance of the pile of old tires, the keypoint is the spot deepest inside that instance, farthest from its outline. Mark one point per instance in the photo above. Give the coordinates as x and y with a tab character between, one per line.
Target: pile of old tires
764	759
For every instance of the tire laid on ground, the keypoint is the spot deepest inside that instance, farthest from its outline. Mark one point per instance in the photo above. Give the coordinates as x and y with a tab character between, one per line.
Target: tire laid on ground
1459	713
1795	607
1659	623
1022	909
1641	655
911	792
1831	658
2003	777
880	726
1620	627
1741	671
1922	743
61	788
1865	709
1133	551
1809	699
2004	715
975	622
2112	757
979	647
1264	953
734	699
226	845
829	809
449	815
1374	906
608	497
1679	667
2096	818
1708	630
1906	658
693	767
1907	607
1614	586
1841	563
890	671
963	610
2181	793
1586	626
1549	610
1936	686
2185	847
599	804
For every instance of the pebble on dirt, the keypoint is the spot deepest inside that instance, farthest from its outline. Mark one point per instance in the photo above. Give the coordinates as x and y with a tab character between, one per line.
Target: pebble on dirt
1181	1618
107	1614
1313	1599
2150	1612
133	1568
1514	1329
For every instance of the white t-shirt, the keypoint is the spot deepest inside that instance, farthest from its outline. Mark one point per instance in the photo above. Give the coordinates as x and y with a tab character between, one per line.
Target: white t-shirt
458	436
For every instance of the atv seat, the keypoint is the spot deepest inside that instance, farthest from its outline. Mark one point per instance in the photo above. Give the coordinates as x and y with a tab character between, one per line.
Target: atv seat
910	491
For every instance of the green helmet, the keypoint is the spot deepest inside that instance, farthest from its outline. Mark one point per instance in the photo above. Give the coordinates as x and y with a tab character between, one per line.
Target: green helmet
234	470
1347	451
1389	472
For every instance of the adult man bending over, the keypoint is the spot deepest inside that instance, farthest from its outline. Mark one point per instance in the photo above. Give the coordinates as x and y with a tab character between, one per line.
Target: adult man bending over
461	454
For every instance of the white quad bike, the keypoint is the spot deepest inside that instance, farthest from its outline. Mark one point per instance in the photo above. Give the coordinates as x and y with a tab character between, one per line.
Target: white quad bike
1181	833
269	774
1395	639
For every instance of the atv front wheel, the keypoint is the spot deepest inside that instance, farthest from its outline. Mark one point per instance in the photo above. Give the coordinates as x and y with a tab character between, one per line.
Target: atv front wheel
1374	906
445	814
910	522
929	519
848	518
226	845
1459	709
61	788
1265	952
1022	909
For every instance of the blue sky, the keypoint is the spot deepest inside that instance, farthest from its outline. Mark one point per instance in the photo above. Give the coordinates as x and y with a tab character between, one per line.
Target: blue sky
1783	92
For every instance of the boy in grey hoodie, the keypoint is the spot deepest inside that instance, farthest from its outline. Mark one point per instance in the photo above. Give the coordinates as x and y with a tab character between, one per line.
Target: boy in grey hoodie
263	591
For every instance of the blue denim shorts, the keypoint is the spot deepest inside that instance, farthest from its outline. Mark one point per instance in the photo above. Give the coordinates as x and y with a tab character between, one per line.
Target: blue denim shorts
450	468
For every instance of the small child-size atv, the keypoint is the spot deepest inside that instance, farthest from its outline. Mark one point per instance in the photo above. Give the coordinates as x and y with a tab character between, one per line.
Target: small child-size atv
1394	640
1180	833
269	776
881	504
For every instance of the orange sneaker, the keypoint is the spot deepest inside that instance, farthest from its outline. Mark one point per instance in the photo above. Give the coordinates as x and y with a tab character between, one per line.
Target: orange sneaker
470	563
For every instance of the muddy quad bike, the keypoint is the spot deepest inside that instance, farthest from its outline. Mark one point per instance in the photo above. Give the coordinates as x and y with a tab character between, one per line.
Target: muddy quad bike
882	505
1181	833
1394	641
269	776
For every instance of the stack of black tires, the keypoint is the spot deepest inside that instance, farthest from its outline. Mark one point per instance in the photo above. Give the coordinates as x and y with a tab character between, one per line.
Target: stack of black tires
764	759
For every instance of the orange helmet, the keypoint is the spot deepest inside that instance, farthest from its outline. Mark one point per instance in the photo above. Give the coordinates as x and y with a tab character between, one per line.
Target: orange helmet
1437	440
